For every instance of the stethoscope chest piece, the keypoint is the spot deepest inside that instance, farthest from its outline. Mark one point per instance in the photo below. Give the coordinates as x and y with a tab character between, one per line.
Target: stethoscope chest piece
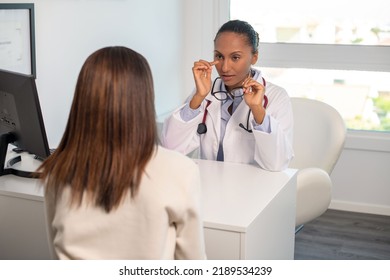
202	128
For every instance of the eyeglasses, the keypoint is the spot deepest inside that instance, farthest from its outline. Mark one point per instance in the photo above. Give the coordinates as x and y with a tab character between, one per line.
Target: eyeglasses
222	95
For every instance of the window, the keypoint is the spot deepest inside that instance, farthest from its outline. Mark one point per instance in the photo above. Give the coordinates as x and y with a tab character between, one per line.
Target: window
318	50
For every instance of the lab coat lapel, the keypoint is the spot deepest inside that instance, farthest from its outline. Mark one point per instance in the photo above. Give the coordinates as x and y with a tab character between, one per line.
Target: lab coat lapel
215	116
239	116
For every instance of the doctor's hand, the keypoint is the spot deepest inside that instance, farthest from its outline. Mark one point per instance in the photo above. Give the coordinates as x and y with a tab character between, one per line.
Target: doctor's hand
254	98
202	75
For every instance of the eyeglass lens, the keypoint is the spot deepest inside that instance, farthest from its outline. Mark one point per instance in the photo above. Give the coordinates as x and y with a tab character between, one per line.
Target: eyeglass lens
222	95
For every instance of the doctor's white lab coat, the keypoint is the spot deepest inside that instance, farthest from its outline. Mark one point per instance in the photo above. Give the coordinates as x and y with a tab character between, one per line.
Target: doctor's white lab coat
271	151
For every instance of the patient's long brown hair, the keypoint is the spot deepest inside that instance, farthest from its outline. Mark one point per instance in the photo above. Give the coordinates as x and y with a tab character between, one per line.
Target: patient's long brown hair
111	131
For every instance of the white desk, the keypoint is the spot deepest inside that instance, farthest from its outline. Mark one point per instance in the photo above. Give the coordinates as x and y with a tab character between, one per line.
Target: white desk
22	222
249	213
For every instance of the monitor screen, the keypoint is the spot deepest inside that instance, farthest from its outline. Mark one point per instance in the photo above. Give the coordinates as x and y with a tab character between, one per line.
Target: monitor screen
17	38
21	122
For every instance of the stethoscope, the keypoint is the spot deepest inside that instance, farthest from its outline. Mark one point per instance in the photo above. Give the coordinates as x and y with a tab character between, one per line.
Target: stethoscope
202	128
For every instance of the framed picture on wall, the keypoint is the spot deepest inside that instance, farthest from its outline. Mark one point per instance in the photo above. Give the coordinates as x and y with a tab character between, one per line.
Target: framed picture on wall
17	38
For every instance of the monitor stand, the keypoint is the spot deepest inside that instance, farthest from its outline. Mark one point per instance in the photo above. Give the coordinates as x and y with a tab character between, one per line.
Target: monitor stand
6	169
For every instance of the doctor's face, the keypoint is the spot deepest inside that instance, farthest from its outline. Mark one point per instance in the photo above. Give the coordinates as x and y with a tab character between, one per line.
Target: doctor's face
235	56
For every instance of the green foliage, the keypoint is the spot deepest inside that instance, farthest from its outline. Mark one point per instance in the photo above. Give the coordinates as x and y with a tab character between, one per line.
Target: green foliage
382	103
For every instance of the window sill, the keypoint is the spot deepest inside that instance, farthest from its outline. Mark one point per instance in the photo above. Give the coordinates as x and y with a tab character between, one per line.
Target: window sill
368	141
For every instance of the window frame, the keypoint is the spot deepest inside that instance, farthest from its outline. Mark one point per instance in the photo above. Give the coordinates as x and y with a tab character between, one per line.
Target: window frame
323	56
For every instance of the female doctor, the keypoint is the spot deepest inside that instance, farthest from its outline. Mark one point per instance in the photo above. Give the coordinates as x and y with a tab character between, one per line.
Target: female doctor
239	117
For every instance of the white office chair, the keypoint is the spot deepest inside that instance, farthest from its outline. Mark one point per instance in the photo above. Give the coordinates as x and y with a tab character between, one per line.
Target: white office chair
319	136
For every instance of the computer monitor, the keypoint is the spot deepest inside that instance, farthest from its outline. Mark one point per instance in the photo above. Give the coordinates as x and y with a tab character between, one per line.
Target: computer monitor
21	122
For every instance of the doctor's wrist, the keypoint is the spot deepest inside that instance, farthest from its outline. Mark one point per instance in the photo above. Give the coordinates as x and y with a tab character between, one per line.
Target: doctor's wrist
258	113
196	101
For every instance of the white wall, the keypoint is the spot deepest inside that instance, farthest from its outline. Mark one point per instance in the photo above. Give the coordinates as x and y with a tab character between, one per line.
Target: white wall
361	178
67	31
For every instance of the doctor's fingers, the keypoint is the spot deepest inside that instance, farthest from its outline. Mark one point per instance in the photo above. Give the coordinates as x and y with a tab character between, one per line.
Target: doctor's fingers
203	65
254	94
252	86
201	72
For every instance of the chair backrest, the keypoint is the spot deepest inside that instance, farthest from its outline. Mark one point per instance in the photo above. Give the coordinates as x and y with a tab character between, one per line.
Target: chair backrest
319	134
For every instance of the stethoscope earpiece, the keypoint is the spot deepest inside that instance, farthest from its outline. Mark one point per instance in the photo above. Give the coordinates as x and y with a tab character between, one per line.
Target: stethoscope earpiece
247	127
